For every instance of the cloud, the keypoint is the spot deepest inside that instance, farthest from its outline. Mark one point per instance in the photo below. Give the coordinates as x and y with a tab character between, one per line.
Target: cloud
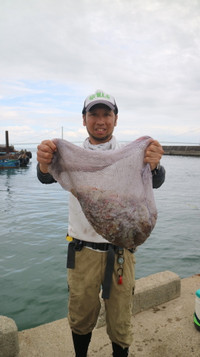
146	53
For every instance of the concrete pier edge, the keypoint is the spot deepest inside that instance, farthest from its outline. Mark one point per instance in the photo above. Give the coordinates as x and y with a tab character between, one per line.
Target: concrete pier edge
182	150
150	291
9	344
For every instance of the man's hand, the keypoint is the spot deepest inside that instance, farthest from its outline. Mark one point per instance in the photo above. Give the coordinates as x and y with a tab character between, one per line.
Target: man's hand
153	154
45	154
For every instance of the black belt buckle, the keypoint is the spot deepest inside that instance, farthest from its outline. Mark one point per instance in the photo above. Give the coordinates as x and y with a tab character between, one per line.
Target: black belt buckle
78	245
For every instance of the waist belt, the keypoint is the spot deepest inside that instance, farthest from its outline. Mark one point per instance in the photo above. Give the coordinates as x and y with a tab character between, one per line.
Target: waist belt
77	245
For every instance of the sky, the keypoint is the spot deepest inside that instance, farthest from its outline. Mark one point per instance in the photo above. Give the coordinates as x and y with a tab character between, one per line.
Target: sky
54	53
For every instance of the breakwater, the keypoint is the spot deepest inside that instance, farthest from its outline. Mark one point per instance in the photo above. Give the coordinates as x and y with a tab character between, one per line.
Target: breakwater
182	150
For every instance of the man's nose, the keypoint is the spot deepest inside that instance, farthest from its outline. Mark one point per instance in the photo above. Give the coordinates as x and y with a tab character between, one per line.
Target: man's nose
100	119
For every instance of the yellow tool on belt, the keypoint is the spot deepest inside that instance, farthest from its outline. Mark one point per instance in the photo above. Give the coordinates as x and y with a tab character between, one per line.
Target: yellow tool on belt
69	238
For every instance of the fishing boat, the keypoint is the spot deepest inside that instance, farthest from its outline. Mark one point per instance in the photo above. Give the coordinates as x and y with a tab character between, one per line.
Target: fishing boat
11	158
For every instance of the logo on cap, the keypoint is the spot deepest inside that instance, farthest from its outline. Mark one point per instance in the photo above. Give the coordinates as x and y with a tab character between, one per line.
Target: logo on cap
99	95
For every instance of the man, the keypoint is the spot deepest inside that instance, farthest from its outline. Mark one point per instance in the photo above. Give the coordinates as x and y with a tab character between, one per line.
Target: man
89	253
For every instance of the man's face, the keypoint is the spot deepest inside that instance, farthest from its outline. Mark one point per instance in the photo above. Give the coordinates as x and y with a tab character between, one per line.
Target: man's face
100	122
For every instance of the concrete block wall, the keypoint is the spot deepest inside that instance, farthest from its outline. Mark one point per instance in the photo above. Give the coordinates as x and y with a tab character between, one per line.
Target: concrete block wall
156	289
9	344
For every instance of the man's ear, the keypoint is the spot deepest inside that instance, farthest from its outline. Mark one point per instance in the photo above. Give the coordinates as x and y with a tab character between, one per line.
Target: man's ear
84	119
116	117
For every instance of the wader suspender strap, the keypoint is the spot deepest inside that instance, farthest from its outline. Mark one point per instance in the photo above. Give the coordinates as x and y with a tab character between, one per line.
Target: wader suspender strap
71	255
108	272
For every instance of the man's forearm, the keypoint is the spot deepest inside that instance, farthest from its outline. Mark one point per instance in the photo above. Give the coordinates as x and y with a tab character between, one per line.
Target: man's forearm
44	177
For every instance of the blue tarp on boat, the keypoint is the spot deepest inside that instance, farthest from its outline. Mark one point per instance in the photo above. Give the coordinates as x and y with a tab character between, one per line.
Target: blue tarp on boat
9	163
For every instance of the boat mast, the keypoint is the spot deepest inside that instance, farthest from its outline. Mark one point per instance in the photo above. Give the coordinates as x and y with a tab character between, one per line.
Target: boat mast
7	141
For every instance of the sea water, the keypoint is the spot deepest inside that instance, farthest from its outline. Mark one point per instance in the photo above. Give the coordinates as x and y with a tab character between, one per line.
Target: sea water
33	249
